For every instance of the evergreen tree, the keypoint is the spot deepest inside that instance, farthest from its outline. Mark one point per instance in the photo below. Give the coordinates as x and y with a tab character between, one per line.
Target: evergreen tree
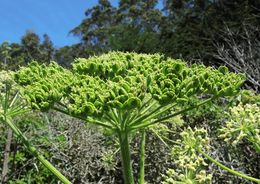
197	24
47	49
132	26
30	44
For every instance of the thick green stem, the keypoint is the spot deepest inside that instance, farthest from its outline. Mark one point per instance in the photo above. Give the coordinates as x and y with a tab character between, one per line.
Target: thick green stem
142	158
126	157
34	151
228	169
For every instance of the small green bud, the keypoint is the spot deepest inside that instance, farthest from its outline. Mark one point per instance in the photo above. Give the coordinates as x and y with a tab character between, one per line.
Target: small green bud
184	73
156	97
132	103
178	67
89	108
35	106
223	69
164	99
92	67
206	75
115	68
122	98
170	94
122	91
149	80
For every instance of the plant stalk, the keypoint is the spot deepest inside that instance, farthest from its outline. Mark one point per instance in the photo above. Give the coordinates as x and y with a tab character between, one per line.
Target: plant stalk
228	169
34	151
126	157
142	157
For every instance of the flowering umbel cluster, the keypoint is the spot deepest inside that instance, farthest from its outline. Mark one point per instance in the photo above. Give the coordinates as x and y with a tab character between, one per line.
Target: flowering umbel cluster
6	81
11	105
121	81
243	124
190	164
7	89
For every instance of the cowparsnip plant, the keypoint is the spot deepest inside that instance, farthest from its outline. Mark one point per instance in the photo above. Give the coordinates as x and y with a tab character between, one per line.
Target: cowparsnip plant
11	106
125	93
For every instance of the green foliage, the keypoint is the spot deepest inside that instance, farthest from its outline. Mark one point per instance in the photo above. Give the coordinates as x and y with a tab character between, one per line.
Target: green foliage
180	29
132	26
31	48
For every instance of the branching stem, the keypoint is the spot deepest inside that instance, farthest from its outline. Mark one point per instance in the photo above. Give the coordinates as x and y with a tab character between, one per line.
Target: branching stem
146	122
228	169
34	151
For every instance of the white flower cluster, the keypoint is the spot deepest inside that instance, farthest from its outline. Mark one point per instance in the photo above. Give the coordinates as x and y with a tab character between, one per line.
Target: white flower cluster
243	124
190	165
8	89
5	79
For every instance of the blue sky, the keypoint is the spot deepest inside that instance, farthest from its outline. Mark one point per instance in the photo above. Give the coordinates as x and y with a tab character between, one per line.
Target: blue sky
54	17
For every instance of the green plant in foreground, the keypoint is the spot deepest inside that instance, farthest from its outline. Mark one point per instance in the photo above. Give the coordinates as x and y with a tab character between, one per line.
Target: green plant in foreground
12	105
125	92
